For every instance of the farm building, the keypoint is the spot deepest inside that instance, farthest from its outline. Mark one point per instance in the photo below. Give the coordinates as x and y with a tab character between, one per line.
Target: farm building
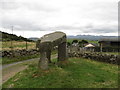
109	43
89	45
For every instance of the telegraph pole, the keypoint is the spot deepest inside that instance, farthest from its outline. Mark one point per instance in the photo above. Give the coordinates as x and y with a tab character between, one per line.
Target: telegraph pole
12	38
101	47
12	41
26	45
25	41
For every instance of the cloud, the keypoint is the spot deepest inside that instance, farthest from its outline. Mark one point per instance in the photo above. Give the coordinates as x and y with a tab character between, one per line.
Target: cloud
70	16
9	5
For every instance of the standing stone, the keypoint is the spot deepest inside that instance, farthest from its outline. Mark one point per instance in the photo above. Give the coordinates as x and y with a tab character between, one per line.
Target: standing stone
49	55
43	63
62	52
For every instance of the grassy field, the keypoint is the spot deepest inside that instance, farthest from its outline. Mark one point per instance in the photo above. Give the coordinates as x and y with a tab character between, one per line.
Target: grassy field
90	41
17	45
31	45
74	73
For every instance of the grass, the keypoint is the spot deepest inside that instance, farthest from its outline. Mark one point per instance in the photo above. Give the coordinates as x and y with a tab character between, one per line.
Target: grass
74	73
70	40
90	41
17	45
6	60
113	53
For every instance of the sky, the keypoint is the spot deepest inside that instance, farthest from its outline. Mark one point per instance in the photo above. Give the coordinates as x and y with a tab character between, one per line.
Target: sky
35	18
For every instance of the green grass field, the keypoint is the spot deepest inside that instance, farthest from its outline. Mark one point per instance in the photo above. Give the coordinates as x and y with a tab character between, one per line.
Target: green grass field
17	45
90	41
74	73
113	53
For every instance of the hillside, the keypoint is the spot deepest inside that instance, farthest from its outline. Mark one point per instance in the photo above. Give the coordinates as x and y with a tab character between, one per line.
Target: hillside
33	38
8	37
92	37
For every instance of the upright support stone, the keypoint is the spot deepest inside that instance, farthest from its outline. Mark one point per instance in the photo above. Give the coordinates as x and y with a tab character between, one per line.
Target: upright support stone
43	63
49	55
62	52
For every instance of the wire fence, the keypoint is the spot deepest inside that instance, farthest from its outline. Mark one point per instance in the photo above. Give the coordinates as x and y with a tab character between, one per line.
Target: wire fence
17	45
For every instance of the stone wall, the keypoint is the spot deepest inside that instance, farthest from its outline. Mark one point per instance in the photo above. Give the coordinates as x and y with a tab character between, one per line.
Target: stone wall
113	59
107	49
16	53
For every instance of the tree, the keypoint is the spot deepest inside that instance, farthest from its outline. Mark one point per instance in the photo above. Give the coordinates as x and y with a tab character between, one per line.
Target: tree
74	41
84	41
81	43
68	43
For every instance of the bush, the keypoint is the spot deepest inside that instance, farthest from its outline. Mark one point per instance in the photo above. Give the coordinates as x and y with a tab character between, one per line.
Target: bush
84	41
68	44
74	41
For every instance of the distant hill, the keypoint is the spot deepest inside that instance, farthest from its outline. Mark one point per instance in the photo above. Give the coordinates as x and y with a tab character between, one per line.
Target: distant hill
33	38
92	37
8	37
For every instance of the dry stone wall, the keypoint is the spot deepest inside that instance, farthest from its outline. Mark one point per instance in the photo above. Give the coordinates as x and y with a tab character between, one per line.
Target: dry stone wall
113	59
16	53
109	58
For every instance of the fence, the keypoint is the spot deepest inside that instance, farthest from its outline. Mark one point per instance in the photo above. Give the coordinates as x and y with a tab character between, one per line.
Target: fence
6	45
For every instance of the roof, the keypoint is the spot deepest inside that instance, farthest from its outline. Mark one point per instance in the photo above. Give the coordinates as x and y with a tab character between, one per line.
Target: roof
89	45
110	39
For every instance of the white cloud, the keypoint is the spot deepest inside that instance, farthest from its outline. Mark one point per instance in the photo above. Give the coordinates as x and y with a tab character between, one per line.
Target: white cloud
70	16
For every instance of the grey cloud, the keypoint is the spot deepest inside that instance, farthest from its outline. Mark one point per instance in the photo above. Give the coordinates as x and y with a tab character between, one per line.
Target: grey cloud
39	7
18	24
24	25
72	27
110	29
90	28
108	14
9	5
27	25
67	27
12	5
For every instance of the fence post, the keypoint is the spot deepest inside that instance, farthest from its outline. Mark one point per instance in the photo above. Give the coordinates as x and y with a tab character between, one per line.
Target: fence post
101	47
26	45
